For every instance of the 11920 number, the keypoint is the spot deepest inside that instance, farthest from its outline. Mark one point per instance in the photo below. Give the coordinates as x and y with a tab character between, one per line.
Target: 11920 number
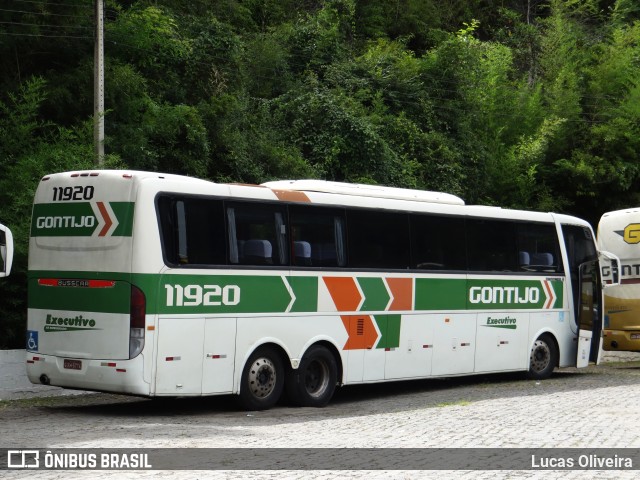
61	194
196	295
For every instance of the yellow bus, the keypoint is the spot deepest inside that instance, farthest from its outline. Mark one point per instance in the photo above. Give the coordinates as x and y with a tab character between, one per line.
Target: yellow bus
619	233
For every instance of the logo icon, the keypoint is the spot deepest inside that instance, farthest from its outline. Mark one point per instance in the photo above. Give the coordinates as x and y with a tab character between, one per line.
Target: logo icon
23	459
32	340
631	233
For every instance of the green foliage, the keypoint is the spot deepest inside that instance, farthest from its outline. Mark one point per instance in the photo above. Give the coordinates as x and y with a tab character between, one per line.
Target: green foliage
529	104
420	22
19	123
214	63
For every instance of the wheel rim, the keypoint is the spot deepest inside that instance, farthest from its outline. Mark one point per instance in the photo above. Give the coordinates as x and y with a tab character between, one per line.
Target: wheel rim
540	356
262	377
316	378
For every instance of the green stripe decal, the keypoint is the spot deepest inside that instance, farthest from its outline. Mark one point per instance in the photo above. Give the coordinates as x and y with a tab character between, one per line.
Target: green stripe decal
305	290
175	293
82	219
559	293
124	215
513	294
375	293
389	326
225	294
441	294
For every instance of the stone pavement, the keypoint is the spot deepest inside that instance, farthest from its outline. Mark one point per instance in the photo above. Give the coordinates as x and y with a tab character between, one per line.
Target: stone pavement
15	385
585	408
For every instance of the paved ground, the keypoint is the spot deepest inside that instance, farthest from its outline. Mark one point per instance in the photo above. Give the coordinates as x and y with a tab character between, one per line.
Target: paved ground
15	385
585	408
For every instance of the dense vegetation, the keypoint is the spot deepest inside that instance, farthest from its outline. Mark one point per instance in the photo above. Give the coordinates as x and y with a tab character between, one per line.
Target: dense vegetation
521	103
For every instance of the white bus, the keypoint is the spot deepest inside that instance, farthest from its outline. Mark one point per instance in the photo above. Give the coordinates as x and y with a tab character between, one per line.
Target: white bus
619	233
161	285
6	251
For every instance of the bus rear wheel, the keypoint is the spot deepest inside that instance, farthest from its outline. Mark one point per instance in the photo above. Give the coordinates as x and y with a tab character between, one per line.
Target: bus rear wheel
543	359
262	380
314	382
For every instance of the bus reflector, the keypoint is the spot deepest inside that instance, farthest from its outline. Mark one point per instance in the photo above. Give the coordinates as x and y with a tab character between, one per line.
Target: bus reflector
137	314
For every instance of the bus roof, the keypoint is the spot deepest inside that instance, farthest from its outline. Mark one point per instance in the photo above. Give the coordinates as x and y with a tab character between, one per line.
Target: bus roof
322	192
618	232
620	213
363	190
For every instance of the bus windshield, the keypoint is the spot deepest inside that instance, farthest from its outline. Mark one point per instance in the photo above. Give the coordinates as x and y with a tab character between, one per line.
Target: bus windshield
6	251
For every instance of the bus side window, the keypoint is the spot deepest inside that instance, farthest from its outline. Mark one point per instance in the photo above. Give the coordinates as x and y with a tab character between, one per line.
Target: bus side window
257	234
317	234
492	245
378	239
438	243
538	248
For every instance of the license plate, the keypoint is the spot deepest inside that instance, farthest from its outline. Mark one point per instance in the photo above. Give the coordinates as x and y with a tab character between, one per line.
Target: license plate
635	336
73	364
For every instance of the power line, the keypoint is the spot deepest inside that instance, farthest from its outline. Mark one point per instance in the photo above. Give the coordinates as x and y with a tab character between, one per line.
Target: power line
11	34
55	4
22	24
46	14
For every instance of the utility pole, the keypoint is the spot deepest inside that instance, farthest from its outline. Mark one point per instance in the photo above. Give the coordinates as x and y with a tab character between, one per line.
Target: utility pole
98	85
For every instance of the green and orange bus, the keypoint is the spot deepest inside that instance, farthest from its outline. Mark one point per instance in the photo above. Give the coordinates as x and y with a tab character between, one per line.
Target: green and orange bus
162	285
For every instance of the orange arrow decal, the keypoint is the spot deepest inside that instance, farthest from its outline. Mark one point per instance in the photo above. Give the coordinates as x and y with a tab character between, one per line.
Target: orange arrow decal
361	330
107	219
402	291
344	293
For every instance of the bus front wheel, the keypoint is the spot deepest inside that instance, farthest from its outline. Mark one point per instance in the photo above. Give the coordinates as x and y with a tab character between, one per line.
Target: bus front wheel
262	380
543	359
314	382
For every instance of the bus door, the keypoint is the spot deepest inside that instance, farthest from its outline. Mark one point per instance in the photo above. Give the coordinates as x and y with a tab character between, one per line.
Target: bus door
586	290
589	310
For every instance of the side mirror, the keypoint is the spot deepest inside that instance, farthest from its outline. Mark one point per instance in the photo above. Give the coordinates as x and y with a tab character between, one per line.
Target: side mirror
610	269
6	251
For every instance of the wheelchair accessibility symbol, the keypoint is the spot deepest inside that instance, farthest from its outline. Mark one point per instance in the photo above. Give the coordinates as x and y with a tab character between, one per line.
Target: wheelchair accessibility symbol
32	340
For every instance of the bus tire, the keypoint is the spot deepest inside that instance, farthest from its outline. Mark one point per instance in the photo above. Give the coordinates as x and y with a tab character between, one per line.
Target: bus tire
314	381
543	358
262	380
